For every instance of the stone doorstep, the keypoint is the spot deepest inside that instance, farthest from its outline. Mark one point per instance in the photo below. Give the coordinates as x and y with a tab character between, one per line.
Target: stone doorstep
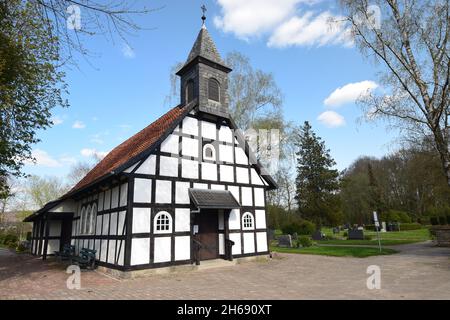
204	265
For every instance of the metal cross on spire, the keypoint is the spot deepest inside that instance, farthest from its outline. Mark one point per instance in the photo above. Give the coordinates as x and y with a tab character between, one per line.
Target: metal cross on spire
203	7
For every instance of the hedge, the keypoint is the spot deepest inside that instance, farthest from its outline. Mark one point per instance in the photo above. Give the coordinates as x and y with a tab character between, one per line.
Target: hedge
410	226
301	227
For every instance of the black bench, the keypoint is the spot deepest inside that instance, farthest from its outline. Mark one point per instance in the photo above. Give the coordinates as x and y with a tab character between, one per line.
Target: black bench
86	259
67	253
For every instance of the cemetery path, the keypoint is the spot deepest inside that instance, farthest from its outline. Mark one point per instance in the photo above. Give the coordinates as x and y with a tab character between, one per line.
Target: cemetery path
419	271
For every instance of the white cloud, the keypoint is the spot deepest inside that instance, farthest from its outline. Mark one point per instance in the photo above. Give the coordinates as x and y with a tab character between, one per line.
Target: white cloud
93	153
253	17
57	120
128	52
43	159
331	119
78	125
97	140
67	160
311	30
287	22
350	93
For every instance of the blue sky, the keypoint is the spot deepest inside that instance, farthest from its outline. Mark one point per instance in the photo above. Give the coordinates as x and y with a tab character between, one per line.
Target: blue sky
122	89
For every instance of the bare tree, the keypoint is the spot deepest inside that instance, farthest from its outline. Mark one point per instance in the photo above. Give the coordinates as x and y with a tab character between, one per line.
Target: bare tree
253	93
41	190
411	40
72	20
78	171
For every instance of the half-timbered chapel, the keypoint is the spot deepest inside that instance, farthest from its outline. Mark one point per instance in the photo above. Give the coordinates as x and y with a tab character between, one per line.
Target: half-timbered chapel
187	188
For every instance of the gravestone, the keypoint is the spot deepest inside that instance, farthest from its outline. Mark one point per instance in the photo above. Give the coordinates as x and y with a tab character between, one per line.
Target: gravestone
318	235
295	236
336	230
285	241
355	234
383	226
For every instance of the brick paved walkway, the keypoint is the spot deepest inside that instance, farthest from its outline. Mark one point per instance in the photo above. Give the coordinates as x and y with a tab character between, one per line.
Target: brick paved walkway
420	271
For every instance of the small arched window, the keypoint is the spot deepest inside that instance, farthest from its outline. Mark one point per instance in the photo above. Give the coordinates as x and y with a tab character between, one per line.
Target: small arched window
190	90
213	90
247	221
209	152
92	219
162	223
81	220
86	219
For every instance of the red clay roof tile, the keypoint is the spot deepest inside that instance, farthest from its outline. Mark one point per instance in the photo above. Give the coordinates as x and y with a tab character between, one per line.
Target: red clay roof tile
130	148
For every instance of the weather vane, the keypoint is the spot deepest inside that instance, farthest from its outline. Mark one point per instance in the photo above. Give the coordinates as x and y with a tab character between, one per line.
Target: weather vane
203	7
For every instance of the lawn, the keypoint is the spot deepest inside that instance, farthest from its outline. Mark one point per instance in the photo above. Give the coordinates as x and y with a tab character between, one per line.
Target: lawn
387	238
337	251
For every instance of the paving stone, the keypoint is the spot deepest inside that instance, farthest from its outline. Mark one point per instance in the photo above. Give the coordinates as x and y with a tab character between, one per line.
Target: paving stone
420	271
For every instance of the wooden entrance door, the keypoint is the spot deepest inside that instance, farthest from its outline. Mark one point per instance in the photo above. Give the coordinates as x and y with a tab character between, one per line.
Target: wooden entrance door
66	232
208	234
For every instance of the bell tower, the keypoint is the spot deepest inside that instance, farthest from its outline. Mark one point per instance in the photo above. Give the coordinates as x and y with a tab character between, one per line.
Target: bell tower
204	76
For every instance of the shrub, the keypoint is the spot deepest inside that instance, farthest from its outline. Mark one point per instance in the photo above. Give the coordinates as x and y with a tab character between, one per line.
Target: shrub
22	246
434	221
11	240
396	215
367	237
301	227
345	234
410	226
304	241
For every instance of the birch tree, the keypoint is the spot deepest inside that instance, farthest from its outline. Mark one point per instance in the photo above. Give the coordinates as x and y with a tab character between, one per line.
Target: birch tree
410	40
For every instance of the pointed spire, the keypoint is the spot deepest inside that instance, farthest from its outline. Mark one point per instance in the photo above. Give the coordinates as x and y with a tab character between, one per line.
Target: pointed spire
204	46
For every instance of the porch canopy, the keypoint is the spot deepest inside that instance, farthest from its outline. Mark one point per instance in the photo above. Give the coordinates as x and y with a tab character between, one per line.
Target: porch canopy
213	199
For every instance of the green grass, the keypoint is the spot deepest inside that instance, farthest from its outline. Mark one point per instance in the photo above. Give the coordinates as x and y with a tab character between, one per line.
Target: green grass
366	242
387	238
337	251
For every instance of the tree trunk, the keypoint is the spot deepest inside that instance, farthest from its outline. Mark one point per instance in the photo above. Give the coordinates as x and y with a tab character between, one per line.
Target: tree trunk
442	147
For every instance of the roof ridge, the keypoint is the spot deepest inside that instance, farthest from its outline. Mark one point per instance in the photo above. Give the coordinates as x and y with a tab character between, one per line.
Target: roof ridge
130	148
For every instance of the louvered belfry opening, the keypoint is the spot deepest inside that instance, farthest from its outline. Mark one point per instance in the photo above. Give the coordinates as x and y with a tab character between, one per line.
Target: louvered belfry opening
190	91
209	73
213	90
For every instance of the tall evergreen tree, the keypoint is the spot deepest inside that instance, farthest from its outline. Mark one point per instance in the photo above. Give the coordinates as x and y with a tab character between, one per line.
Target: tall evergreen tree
317	182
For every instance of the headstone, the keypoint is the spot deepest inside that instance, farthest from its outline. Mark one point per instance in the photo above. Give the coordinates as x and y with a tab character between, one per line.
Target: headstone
355	234
335	230
383	226
285	241
295	236
318	235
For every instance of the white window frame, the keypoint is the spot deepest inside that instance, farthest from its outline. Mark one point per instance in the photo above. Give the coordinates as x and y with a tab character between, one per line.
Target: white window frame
155	223
93	219
248	214
213	157
88	218
80	221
